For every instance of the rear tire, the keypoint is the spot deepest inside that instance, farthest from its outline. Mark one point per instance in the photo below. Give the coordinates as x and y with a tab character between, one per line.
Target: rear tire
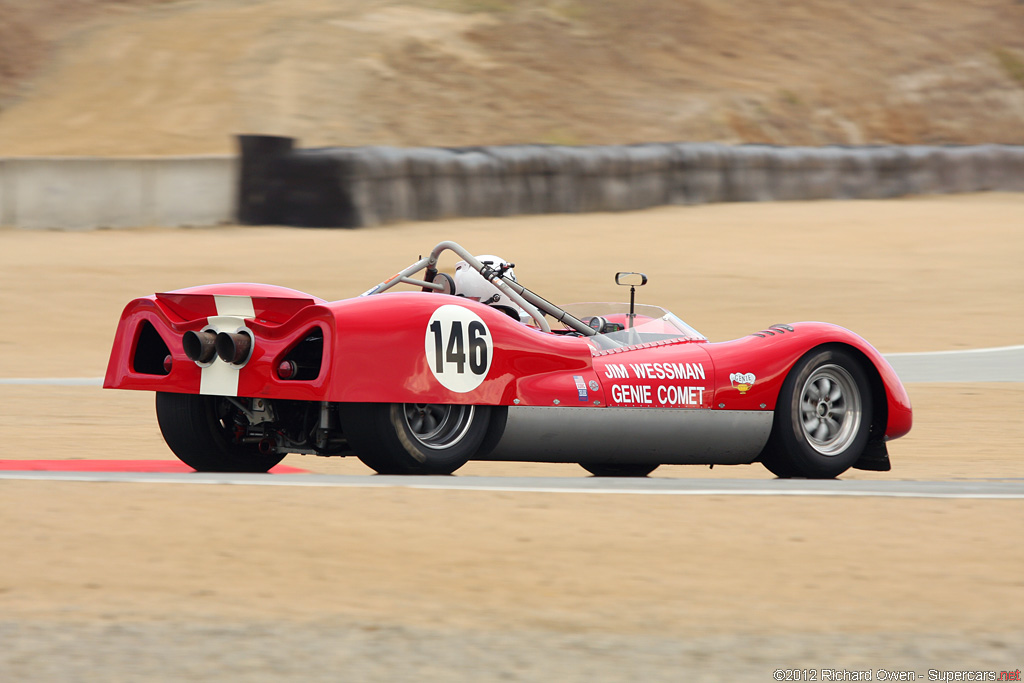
199	430
618	469
415	438
822	419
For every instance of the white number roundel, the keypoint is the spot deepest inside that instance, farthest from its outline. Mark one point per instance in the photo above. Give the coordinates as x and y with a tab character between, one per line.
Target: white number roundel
459	348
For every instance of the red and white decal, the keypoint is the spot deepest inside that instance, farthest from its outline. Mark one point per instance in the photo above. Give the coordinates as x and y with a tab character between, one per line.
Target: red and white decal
220	378
459	348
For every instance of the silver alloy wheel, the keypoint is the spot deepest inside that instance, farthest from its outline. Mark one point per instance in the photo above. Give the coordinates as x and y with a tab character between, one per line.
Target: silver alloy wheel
830	410
438	426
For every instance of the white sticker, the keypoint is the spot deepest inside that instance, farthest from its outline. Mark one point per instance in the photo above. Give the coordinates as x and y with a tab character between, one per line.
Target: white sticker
459	348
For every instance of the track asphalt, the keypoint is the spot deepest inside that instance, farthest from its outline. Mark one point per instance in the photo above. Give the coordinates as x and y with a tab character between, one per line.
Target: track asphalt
1005	364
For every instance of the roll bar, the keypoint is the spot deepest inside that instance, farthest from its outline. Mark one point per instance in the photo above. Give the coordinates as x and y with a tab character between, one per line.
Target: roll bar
533	304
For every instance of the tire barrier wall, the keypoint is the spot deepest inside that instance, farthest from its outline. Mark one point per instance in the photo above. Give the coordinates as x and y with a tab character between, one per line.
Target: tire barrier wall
83	192
274	183
362	186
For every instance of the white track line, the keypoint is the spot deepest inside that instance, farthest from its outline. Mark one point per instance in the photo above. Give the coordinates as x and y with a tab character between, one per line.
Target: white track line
657	487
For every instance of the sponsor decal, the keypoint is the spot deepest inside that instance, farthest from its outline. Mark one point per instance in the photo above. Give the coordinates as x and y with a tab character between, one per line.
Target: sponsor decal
654	370
742	381
581	387
594	386
659	384
458	348
669	395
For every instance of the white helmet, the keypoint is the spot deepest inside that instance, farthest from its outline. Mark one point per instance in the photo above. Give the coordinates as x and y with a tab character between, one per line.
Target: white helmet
472	285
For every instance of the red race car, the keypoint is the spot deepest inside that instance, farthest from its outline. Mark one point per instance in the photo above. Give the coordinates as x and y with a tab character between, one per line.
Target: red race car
477	367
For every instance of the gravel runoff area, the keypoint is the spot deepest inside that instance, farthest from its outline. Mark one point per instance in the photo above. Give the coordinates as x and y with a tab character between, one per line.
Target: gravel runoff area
254	652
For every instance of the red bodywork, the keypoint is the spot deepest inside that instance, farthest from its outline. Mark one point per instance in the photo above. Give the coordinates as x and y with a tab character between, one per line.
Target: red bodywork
376	349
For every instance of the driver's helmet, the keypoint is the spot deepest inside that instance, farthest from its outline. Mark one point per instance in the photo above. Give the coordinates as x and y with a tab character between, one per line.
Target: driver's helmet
472	285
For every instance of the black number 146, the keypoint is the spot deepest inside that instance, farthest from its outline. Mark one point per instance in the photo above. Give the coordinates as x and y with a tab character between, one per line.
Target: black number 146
455	352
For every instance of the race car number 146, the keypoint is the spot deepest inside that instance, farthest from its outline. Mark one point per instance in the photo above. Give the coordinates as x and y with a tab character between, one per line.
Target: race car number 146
459	348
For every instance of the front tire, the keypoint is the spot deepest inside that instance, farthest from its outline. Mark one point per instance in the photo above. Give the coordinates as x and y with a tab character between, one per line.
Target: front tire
822	419
415	438
200	429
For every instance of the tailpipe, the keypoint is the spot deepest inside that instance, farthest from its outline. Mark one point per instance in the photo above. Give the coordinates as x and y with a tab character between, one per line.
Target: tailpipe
200	346
234	347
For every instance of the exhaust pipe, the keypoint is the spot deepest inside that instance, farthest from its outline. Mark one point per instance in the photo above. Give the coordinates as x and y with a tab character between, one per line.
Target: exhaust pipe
200	346
233	347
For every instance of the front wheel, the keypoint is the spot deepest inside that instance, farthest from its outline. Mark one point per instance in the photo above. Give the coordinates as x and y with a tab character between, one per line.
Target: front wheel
822	419
201	430
415	438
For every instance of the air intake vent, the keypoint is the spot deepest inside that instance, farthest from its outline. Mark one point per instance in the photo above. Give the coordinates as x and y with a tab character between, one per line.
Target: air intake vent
773	330
150	351
306	357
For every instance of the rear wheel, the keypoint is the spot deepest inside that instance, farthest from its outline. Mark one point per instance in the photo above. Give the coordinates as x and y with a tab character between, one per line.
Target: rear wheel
822	418
618	469
201	432
415	438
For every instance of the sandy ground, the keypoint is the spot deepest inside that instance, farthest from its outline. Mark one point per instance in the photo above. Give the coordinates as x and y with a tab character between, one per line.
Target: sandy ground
158	582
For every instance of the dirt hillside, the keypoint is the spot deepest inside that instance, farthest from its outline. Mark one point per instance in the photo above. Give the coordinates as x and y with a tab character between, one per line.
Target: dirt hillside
181	76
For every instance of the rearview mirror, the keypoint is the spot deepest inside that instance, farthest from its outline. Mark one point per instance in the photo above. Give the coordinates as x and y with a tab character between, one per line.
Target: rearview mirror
630	279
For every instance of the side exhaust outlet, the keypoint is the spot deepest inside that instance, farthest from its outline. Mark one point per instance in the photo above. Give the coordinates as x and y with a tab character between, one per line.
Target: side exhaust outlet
233	347
199	346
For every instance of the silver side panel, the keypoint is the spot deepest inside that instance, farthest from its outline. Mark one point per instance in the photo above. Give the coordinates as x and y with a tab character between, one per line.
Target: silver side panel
627	435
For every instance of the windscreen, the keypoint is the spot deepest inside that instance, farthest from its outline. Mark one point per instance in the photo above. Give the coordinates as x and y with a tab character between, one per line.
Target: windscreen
648	324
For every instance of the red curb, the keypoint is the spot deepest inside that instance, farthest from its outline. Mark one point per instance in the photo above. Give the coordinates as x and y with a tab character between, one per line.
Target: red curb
114	466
